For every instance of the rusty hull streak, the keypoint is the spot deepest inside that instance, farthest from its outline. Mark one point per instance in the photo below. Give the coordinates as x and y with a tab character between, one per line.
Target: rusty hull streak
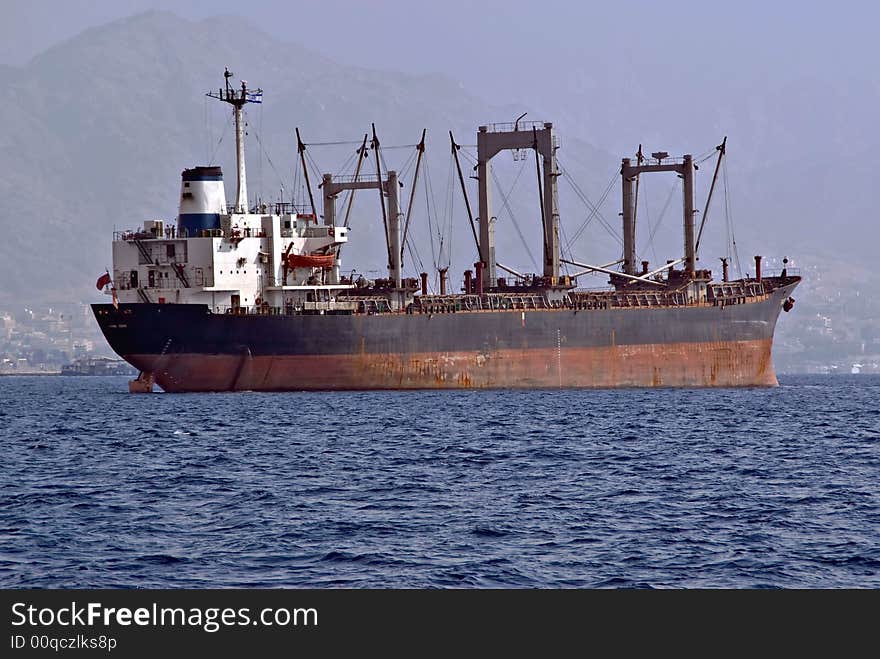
710	364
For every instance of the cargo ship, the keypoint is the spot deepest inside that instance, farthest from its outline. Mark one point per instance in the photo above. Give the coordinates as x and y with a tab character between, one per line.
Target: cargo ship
234	297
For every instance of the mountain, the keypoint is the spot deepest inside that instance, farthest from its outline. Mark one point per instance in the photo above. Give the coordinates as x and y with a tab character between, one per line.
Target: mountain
98	129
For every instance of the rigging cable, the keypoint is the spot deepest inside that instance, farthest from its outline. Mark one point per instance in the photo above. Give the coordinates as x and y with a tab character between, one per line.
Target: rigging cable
595	212
447	225
448	213
343	143
262	153
296	182
563	251
361	153
380	187
316	170
647	208
660	217
729	219
269	160
220	141
420	151
721	149
345	165
456	148
345	197
429	199
506	206
703	157
594	209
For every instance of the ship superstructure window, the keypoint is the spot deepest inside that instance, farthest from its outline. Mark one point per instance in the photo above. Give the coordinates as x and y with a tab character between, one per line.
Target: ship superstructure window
169	250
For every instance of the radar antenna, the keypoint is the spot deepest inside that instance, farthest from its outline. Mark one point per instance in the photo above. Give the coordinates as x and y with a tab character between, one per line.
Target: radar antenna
238	100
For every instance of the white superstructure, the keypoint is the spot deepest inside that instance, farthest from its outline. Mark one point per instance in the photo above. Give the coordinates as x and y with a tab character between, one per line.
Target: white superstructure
245	263
231	258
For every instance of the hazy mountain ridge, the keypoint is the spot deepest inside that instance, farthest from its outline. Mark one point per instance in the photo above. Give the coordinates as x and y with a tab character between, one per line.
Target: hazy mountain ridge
102	125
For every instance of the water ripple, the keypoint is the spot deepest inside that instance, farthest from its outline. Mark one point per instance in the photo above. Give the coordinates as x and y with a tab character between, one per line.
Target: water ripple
746	488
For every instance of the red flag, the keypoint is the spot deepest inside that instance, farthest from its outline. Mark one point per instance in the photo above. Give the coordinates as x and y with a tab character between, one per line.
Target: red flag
103	280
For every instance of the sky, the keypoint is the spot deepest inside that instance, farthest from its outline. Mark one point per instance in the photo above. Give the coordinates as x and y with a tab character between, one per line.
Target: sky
663	58
483	40
793	84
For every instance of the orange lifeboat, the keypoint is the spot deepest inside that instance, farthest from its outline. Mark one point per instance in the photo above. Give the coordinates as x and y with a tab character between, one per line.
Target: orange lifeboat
310	260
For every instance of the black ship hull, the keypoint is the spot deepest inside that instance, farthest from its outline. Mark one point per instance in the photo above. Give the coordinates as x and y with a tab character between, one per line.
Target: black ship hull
188	348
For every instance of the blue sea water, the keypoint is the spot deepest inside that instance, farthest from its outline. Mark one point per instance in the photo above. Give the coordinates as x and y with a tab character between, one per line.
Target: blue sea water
667	488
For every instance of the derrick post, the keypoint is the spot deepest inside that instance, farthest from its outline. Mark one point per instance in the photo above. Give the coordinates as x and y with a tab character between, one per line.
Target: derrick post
329	200
551	208
392	189
629	218
487	222
690	255
241	189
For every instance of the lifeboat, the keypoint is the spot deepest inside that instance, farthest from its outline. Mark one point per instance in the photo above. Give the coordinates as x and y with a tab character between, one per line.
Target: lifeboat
310	260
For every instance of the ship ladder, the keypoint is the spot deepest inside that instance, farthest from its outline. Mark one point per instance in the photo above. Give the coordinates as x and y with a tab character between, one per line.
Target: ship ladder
144	251
181	275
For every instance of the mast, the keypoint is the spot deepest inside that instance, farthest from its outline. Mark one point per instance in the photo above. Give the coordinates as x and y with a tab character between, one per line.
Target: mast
238	101
504	137
420	147
241	188
375	145
467	203
362	155
301	148
630	208
486	221
392	189
629	218
550	213
540	195
722	149
685	169
690	250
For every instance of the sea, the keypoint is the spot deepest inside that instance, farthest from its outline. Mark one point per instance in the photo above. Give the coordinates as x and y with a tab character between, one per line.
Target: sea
639	488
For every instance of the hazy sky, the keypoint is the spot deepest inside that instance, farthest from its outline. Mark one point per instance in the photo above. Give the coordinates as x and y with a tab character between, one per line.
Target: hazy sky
793	84
475	38
660	58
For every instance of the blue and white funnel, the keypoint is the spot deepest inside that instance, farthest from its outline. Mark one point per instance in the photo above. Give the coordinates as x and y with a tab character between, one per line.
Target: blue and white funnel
202	200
